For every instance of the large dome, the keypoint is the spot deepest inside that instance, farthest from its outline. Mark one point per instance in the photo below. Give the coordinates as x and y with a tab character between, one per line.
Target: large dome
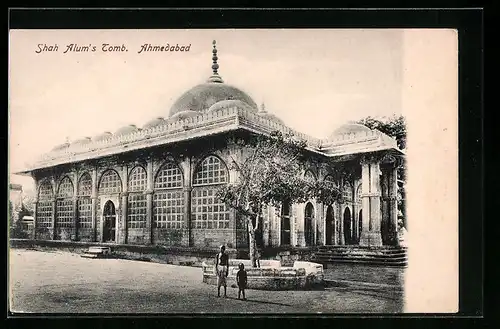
201	97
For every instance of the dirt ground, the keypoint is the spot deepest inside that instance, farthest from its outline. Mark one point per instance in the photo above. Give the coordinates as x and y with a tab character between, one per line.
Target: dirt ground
60	282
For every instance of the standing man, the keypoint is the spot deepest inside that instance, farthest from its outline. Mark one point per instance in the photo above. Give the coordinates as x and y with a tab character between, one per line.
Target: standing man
222	270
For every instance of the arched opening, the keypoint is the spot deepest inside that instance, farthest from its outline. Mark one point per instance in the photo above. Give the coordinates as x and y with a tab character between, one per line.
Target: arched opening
347	226
285	237
64	225
208	212
136	206
84	210
168	204
308	224
330	226
109	217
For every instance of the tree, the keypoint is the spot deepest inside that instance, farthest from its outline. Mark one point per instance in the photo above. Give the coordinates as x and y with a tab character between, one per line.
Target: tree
270	174
394	126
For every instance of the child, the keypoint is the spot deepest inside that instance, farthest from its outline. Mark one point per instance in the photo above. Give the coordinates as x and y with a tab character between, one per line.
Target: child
241	279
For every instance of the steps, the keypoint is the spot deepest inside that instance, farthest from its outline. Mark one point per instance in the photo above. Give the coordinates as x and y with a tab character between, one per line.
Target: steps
97	252
380	256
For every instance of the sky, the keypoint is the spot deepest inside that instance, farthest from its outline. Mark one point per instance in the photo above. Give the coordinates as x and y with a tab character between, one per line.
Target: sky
314	80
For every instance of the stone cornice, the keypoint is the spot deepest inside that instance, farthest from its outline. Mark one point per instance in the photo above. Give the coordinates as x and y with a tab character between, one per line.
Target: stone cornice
224	120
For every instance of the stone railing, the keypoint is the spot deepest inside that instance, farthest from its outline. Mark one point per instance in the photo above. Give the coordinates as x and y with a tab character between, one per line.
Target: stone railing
164	130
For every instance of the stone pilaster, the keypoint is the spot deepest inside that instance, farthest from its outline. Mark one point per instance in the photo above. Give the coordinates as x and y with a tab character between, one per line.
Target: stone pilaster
149	201
371	207
187	216
35	217
94	204
75	218
54	216
393	192
94	218
121	233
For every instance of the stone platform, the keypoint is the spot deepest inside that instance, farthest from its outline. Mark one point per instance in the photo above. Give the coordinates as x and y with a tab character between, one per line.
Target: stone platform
271	275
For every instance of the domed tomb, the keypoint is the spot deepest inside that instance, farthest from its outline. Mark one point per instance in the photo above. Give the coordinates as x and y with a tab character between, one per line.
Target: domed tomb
201	97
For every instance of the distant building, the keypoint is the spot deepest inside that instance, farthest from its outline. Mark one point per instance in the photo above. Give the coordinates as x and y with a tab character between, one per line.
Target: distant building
156	184
16	196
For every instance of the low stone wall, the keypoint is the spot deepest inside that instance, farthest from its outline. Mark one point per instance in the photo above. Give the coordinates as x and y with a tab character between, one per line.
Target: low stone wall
271	276
187	256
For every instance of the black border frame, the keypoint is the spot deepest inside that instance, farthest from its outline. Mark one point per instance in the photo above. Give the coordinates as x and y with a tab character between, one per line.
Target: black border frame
468	22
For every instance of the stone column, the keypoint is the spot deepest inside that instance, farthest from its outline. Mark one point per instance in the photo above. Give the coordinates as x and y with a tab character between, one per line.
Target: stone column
94	204
393	193
340	216
187	215
354	221
371	178
187	189
75	206
75	218
54	216
121	233
149	201
35	217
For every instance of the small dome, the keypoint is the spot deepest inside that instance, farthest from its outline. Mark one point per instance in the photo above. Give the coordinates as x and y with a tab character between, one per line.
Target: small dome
126	130
82	141
229	103
102	136
61	147
183	115
155	122
351	128
201	97
271	116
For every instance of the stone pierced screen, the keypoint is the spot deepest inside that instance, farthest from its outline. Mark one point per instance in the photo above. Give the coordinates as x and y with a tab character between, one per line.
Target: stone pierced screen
207	211
84	212
211	171
110	183
168	211
85	185
64	217
44	207
168	198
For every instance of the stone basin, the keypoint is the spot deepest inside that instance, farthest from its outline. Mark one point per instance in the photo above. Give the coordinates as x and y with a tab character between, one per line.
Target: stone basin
271	275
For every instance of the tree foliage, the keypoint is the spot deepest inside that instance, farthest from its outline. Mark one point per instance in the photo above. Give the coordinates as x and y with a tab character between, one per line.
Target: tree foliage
270	173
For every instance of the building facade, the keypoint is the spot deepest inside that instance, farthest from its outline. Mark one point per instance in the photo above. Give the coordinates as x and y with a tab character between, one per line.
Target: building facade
157	184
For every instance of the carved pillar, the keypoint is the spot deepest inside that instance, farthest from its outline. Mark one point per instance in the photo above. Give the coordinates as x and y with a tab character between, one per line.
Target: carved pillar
94	204
340	216
371	235
75	206
149	201
54	216
187	215
393	193
75	218
121	234
35	216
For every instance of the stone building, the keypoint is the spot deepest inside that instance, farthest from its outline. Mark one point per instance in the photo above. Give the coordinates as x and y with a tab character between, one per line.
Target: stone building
156	184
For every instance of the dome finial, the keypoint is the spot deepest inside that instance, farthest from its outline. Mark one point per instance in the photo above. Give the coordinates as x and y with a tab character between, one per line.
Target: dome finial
262	108
215	66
